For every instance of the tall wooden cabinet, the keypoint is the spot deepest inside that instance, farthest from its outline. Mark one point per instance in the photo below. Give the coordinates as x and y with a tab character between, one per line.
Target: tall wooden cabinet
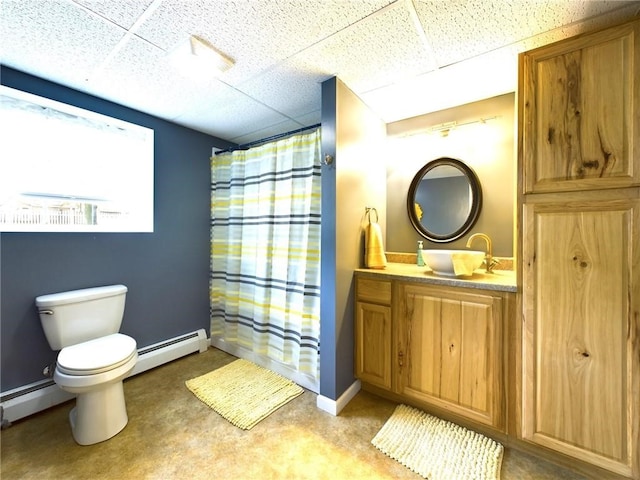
579	160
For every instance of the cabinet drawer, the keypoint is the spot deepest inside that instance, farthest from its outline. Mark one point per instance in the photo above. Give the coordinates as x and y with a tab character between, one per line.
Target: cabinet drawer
376	291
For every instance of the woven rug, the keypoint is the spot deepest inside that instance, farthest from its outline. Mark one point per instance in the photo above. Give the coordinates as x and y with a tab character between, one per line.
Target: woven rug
437	449
244	393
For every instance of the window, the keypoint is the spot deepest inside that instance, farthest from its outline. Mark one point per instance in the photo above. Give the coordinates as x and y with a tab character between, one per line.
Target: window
65	169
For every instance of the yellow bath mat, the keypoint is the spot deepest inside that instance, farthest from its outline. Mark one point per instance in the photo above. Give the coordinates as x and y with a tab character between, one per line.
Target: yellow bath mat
244	393
437	449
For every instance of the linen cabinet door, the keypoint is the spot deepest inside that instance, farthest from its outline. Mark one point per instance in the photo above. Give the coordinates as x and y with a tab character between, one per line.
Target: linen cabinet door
449	351
581	328
373	332
579	105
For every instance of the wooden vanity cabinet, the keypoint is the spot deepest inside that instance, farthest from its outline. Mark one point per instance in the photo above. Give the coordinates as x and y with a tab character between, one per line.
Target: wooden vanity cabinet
437	347
579	158
449	351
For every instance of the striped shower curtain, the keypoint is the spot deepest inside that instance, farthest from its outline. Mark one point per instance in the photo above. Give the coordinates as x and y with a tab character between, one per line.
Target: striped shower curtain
265	250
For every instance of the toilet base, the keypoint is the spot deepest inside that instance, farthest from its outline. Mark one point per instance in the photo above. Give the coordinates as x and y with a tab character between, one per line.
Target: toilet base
99	414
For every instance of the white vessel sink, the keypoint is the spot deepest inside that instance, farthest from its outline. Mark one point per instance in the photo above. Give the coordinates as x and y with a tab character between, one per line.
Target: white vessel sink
453	263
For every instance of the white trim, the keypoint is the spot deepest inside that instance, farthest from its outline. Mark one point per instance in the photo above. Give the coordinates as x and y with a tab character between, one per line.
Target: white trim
43	394
334	407
302	379
160	353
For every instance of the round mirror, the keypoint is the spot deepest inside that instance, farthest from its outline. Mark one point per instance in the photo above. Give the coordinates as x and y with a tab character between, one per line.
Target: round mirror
444	200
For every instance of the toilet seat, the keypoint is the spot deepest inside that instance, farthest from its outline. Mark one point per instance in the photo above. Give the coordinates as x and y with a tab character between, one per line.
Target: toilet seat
96	356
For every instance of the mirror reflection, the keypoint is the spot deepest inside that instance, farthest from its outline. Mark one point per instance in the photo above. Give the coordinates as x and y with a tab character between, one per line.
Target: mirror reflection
444	200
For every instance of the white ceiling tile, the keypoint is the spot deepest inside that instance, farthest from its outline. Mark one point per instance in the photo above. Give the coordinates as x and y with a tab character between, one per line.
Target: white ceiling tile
122	12
379	50
621	13
483	76
399	62
142	77
291	88
254	33
310	118
461	29
55	39
275	129
224	115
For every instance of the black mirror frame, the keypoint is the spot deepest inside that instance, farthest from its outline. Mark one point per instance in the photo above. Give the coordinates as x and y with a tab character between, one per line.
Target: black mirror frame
476	202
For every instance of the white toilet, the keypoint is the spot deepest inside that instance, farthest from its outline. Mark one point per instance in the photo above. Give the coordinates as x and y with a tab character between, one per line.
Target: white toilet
94	358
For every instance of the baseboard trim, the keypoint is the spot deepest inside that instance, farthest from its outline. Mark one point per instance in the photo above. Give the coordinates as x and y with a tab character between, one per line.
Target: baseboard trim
35	397
334	407
166	351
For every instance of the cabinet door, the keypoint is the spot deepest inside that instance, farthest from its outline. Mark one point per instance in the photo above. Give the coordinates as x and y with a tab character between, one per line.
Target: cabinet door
449	351
581	328
373	344
579	101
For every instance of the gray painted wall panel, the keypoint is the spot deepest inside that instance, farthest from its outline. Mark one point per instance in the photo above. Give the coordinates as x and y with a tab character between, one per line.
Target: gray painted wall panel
167	271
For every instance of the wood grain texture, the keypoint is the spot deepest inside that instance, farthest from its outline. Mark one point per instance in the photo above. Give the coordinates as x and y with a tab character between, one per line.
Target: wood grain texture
376	291
579	172
373	344
373	331
451	343
578	104
580	303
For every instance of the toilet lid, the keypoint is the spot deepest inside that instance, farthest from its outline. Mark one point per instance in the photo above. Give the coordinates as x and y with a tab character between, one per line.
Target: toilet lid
96	356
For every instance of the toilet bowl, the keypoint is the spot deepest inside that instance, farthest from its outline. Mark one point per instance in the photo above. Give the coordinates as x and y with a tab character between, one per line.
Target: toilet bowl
96	379
93	360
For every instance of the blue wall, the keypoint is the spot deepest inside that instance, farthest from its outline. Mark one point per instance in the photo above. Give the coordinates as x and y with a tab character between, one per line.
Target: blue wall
329	371
167	271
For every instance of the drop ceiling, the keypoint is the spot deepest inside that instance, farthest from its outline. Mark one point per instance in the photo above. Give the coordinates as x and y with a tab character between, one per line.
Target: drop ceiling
402	58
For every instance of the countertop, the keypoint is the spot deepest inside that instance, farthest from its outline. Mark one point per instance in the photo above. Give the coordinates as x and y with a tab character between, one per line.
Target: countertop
498	280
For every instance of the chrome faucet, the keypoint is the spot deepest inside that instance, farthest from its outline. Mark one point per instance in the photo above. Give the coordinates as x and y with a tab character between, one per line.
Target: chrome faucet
489	261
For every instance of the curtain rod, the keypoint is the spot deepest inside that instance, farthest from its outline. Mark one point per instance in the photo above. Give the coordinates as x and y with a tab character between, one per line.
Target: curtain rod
246	146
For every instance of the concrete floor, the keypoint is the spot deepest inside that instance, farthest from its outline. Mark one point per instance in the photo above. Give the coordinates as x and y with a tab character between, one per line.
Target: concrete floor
172	435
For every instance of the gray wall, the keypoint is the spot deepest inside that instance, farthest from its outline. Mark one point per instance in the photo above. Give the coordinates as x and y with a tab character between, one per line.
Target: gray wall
488	149
166	271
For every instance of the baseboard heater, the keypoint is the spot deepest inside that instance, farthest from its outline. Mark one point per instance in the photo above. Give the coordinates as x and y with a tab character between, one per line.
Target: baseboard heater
35	397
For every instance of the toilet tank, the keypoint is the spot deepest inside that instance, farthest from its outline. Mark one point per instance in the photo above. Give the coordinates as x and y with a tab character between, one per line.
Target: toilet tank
73	317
